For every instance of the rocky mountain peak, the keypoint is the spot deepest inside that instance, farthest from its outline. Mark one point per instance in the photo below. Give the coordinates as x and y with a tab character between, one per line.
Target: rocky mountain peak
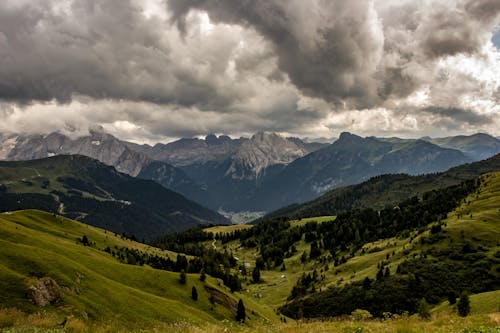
261	151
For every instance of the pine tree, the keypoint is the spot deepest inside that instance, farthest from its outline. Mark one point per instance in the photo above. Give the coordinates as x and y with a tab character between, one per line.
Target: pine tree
182	277
424	310
194	294
463	305
240	313
452	297
202	276
256	275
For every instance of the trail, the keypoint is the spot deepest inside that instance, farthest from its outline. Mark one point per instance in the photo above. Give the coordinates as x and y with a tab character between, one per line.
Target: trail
213	244
36	171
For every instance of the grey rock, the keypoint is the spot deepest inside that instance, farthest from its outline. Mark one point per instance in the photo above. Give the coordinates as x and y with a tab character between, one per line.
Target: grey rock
44	291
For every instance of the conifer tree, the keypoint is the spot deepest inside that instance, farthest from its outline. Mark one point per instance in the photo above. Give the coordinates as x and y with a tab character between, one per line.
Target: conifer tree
240	313
194	294
182	277
463	305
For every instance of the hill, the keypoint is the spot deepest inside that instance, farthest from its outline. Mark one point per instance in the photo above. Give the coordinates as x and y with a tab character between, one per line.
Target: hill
89	191
95	285
384	190
447	239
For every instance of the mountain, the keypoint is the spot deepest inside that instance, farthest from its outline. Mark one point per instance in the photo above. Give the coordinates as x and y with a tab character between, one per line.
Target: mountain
191	151
477	146
98	145
232	183
351	160
306	145
384	190
175	178
89	191
103	147
260	152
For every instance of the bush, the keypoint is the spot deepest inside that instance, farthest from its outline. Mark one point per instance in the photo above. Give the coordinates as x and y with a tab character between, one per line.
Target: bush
424	310
360	314
463	305
182	277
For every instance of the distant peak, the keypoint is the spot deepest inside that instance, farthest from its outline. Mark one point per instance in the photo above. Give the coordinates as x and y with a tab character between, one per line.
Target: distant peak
211	139
346	136
261	136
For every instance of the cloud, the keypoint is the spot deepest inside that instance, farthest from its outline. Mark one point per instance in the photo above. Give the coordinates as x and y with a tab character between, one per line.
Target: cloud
154	70
329	49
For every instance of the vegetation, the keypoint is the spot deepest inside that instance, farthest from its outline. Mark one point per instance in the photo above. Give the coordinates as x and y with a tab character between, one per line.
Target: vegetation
385	190
97	287
463	305
81	188
240	313
364	270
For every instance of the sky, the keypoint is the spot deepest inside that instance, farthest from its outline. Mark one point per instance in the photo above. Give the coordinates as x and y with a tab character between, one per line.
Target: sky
156	70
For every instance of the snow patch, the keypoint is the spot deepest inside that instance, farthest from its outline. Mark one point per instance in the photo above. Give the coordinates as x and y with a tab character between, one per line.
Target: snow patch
96	143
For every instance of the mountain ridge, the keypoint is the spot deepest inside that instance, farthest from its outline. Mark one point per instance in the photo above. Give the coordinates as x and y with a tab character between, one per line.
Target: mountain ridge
92	192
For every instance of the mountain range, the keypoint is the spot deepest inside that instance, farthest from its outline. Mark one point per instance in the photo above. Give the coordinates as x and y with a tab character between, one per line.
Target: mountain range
260	173
87	190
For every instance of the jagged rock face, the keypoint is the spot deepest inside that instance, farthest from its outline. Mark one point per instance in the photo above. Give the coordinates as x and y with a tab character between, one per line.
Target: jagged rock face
44	291
98	145
260	152
192	151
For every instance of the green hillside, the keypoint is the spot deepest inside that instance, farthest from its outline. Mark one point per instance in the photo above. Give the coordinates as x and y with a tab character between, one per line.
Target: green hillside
95	286
458	244
384	190
81	188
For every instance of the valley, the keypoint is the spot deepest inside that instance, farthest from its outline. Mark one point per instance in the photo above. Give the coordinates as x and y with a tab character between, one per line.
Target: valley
361	257
264	172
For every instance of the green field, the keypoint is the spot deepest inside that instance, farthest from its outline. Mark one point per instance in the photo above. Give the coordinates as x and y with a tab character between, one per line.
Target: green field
113	296
96	287
482	227
224	229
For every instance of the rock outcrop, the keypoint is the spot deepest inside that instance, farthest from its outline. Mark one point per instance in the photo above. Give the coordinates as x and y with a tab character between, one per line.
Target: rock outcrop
44	291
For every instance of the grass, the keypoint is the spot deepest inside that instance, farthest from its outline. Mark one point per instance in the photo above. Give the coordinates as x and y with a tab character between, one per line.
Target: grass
483	303
96	288
440	323
482	228
224	229
140	294
304	221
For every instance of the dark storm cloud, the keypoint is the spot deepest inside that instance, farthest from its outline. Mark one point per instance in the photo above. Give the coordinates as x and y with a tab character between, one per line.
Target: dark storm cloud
102	49
272	65
329	49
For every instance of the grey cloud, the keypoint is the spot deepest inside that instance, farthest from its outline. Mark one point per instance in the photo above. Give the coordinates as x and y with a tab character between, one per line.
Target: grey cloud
458	115
329	49
107	49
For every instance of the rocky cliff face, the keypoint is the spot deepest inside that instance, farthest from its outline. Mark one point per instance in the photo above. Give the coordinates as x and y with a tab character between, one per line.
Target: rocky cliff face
98	145
260	152
192	151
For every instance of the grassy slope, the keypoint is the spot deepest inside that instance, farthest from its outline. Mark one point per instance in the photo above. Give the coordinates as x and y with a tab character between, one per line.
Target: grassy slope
481	227
37	244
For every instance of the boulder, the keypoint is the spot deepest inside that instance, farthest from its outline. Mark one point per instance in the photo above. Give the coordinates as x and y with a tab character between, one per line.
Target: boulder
44	291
